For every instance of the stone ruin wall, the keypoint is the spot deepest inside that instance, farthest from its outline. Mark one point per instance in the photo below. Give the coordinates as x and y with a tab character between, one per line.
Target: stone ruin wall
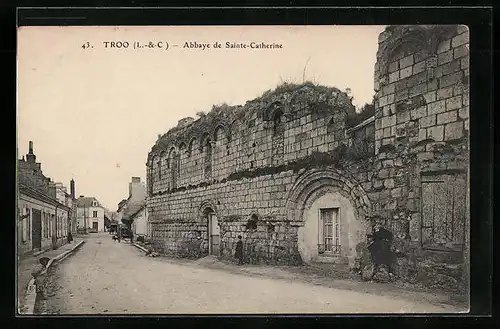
244	146
421	145
419	137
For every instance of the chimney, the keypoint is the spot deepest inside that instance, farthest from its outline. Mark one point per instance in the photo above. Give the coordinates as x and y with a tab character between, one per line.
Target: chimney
30	157
52	189
72	188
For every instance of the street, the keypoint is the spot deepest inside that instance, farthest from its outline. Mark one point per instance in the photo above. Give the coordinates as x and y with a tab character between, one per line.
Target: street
107	277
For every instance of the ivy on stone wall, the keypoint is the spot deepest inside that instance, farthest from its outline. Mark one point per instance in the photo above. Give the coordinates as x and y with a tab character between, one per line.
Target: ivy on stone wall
338	158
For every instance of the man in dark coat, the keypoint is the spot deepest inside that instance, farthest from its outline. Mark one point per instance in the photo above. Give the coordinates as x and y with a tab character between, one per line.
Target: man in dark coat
239	251
380	249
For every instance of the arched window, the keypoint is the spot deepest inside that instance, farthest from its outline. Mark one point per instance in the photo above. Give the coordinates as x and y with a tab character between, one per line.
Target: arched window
150	178
278	123
278	138
208	158
173	160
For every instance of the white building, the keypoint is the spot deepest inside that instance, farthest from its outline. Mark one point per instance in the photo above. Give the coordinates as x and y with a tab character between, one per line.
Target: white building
90	214
139	224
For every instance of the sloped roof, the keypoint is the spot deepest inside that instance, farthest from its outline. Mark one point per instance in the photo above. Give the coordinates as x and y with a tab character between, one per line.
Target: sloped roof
133	209
87	202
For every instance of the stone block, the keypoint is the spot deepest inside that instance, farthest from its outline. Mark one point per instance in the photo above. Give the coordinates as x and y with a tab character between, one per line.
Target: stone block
446	117
422	134
462	28
460	39
450	79
383	173
418	90
393	77
444	46
444	93
430	97
435	133
406	72
454	103
432	85
388	121
445	57
389	89
436	107
461	51
403	116
401	95
464	62
406	61
389	183
463	113
419	67
393	66
418	113
427	121
454	130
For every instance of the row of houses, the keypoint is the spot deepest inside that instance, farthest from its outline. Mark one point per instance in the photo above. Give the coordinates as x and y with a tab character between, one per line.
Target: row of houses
302	182
46	211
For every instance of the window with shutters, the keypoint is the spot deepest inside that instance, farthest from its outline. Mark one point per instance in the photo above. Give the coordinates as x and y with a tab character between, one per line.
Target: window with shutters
443	211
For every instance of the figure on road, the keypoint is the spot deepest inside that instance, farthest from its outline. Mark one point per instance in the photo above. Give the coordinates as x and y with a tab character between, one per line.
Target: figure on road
380	249
40	279
239	251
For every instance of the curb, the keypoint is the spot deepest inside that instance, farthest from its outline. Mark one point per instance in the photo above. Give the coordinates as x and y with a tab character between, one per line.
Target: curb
31	293
140	247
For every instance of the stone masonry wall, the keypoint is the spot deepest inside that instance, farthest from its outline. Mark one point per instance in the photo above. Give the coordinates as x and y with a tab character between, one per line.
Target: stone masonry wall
406	169
421	137
247	178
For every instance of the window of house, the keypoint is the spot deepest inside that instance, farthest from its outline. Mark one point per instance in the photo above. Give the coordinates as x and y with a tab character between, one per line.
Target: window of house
329	231
443	211
95	213
159	168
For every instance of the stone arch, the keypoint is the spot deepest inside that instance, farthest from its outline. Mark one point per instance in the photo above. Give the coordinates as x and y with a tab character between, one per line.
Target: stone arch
424	38
274	107
191	145
330	209
312	181
219	127
205	206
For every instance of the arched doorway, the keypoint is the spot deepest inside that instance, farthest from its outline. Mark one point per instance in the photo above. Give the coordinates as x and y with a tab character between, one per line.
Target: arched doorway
331	209
213	231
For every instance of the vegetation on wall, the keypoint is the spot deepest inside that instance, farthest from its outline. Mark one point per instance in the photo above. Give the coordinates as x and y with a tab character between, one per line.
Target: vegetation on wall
355	118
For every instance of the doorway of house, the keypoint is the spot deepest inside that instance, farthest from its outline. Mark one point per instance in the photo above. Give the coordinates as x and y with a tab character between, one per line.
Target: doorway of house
213	233
36	230
95	226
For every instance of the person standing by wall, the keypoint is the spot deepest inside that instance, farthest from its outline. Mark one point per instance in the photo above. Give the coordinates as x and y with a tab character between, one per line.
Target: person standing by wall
239	251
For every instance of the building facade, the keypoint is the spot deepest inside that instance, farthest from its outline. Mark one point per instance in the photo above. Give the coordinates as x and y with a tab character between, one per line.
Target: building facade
44	212
132	209
289	174
90	214
139	222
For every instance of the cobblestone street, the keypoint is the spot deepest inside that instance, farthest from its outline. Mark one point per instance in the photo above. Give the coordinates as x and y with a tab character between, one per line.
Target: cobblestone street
107	277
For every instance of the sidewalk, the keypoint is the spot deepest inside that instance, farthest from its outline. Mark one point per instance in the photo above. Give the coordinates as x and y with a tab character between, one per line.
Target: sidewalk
317	276
26	265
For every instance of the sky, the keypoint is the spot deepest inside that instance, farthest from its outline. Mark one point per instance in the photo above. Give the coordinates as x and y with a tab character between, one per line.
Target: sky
94	112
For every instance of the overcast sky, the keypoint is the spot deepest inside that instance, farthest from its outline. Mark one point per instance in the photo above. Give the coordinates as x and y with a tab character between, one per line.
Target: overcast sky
94	113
